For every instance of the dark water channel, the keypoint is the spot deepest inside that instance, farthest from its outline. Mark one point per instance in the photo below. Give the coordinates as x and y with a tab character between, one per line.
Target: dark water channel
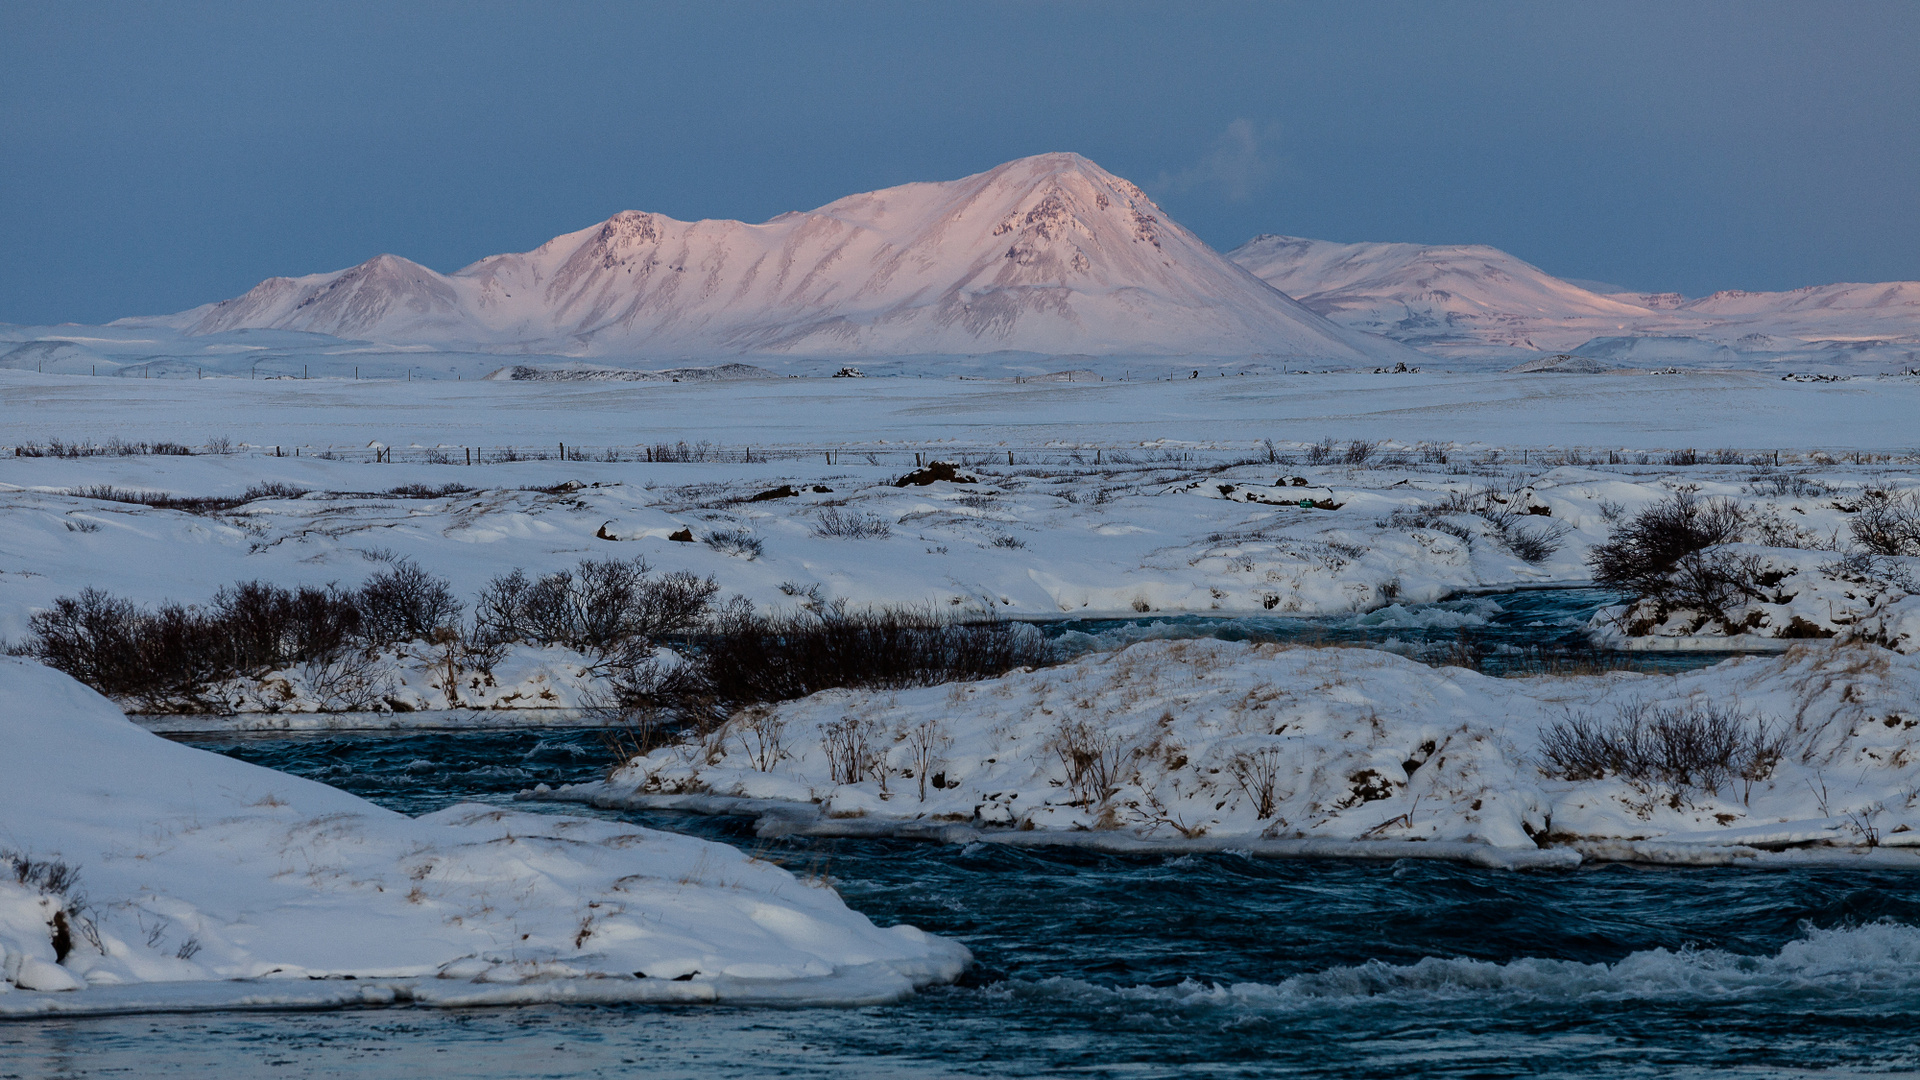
1519	631
1090	965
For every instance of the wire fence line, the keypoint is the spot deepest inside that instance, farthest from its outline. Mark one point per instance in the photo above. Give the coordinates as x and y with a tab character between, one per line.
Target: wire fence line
1354	452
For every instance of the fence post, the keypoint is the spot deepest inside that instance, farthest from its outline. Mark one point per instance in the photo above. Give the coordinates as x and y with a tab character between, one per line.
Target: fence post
1009	457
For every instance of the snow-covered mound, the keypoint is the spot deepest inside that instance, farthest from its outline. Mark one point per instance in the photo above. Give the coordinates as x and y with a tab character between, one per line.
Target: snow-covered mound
195	868
1473	301
1196	739
1048	254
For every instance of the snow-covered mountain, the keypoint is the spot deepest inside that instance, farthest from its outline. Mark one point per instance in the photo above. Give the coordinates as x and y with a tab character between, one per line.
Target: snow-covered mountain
1477	302
1461	294
1047	254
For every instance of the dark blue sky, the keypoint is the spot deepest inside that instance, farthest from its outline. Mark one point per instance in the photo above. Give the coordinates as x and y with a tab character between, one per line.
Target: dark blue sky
157	156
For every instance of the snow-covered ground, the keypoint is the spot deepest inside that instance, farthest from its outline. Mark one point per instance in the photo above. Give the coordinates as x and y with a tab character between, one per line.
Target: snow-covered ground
203	881
1244	743
1224	525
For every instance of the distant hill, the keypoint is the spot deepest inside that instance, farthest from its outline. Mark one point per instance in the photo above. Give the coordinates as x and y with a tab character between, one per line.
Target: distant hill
1477	302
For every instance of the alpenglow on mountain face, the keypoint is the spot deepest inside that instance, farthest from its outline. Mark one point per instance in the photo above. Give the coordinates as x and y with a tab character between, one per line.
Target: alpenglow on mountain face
1048	254
1472	301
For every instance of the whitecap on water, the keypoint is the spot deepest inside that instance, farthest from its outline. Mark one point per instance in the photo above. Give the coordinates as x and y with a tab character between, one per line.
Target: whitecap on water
1877	959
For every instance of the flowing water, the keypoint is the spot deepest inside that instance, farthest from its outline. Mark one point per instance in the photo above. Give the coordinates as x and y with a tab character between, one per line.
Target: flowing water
1093	965
1512	632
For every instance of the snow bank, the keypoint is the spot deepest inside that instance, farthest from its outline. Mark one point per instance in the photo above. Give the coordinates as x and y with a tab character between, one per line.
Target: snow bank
207	882
1180	740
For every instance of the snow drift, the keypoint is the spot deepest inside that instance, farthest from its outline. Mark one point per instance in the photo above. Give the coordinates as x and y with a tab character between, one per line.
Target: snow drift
198	869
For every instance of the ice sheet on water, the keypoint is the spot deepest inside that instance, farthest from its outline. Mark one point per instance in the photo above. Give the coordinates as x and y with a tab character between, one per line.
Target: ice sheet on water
1842	964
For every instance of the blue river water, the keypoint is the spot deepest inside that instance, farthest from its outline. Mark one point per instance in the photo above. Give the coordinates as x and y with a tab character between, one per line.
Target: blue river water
1091	965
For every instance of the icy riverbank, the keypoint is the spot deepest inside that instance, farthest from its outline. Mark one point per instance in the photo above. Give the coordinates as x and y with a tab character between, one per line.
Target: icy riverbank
199	881
1172	741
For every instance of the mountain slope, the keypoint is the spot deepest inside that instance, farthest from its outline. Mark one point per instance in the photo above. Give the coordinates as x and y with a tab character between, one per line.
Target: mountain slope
1048	254
1477	302
1461	294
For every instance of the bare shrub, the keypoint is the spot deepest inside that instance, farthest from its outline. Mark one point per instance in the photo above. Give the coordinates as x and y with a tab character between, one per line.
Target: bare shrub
848	742
734	542
1006	540
1527	538
1094	758
345	680
405	602
1643	553
1888	523
926	741
599	604
845	526
762	733
744	657
1322	452
1680	749
1357	452
1257	772
1782	485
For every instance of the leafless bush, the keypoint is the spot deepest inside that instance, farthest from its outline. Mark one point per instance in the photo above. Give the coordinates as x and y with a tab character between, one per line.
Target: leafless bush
926	741
1528	539
744	657
1257	772
114	447
1007	540
851	757
345	680
1357	452
405	602
1322	452
734	542
1888	523
1782	485
845	526
1644	553
427	491
1678	748
597	605
1094	758
762	733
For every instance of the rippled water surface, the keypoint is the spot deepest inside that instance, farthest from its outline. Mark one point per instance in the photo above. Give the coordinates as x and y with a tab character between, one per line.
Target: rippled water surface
1520	630
1202	966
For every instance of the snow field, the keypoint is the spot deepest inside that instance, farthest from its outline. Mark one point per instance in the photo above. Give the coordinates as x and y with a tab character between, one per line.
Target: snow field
195	868
1064	539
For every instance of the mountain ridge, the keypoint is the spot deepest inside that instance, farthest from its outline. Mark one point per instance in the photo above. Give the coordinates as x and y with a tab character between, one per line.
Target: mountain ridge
1046	254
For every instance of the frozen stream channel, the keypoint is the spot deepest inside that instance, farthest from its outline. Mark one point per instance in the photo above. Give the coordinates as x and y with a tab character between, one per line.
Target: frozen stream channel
1200	966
